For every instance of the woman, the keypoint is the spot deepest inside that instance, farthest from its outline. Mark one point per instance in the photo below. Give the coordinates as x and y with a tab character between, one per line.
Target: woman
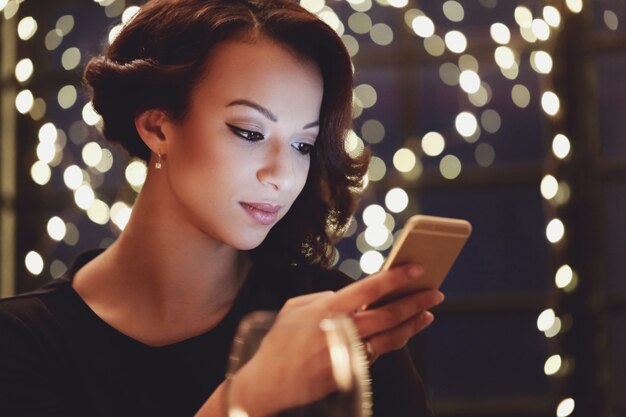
241	108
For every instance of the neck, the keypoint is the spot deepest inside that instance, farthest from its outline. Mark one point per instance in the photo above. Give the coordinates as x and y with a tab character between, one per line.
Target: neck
167	268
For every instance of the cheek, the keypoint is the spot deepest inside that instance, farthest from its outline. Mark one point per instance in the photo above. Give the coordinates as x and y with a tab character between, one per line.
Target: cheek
303	174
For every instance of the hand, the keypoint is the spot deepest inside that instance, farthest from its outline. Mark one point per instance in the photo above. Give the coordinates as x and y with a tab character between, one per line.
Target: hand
388	326
293	361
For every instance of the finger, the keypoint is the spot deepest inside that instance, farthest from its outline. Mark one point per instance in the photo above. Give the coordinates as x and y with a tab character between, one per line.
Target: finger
302	300
390	315
370	289
398	337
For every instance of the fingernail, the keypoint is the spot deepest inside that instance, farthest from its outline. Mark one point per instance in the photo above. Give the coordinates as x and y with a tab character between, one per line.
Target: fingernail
439	297
428	317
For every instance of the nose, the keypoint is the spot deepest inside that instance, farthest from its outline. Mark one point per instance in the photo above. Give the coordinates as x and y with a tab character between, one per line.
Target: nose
277	170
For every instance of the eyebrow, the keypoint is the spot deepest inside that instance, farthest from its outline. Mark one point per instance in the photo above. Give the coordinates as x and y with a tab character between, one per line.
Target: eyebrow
265	112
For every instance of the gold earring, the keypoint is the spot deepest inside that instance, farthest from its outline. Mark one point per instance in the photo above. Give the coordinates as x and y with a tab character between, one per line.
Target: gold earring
159	162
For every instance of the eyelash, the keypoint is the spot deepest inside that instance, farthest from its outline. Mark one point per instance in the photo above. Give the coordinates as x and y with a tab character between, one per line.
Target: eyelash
252	136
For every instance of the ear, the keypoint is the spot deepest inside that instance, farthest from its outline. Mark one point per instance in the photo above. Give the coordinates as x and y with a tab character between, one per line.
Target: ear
150	126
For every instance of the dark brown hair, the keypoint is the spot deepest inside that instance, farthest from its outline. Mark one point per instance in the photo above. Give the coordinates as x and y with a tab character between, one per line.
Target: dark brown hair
158	58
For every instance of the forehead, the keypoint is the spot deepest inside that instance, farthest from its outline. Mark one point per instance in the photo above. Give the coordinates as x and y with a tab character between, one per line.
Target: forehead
264	70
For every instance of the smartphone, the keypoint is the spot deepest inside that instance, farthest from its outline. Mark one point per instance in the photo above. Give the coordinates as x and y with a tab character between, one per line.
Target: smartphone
432	242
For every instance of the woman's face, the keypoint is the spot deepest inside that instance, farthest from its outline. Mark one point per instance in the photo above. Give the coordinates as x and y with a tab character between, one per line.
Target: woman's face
240	158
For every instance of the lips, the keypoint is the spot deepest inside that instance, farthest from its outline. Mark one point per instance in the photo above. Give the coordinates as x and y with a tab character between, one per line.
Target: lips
263	213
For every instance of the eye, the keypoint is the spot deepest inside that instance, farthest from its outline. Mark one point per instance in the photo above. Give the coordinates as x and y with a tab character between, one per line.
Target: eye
249	135
303	148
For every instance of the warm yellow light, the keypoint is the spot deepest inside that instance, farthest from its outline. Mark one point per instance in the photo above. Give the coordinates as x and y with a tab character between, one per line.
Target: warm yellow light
434	45
352	45
129	14
523	16
611	20
120	214
377	169
114	33
554	329
84	197
469	81
455	41
24	101
65	24
449	73
70	58
546	320
555	230
40	173
136	173
561	146
106	161
550	103
353	144
376	235
360	5
46	152
48	133
371	261
360	23
89	115
466	124
34	263
26	28
450	167
565	407
552	16
314	6
541	61
366	94
99	212
53	39
453	11
564	276
468	62
381	34
404	160
540	29
500	33
423	26
92	154
433	144
374	214
398	3
520	96
549	187
505	57
373	131
396	200
575	6
73	177
56	228
490	120
329	16
484	154
552	365
67	96
24	70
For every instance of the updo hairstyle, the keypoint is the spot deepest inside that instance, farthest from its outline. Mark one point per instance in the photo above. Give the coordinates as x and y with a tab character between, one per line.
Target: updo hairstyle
159	57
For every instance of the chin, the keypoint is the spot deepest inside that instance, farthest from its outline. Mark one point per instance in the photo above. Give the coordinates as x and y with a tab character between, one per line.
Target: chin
248	242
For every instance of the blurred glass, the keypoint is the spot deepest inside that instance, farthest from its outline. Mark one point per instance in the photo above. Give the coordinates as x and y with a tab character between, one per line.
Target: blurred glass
349	367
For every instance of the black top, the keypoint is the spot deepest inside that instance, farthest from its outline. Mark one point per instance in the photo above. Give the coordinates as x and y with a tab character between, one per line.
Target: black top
59	359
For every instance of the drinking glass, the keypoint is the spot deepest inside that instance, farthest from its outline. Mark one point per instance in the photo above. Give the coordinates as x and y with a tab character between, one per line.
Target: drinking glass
349	366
